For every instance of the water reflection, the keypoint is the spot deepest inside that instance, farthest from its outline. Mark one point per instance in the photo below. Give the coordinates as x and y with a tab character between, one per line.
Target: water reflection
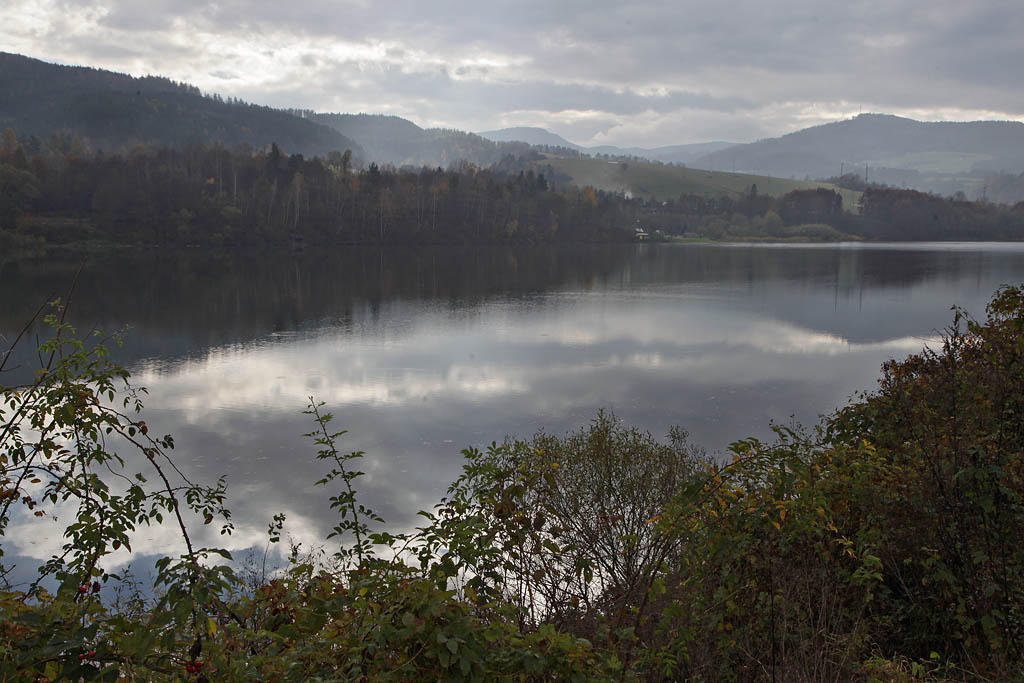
422	353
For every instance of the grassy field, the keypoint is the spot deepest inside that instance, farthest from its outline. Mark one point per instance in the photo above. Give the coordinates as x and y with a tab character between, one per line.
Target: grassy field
668	182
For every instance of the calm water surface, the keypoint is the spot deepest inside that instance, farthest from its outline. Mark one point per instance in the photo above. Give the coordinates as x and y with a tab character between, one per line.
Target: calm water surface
420	353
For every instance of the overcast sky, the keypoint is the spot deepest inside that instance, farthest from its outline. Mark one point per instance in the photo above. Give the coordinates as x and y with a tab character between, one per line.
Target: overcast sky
596	72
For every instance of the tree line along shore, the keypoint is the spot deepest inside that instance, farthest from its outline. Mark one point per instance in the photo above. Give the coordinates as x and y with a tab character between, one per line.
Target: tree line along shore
62	192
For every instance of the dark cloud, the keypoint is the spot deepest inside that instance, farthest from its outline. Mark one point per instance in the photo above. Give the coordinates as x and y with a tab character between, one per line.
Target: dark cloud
644	72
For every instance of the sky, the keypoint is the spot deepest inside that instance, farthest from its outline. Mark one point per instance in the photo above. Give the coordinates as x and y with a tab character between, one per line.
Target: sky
597	72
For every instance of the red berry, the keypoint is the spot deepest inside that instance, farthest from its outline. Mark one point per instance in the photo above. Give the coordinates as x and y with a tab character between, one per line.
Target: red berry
199	665
83	588
81	656
92	653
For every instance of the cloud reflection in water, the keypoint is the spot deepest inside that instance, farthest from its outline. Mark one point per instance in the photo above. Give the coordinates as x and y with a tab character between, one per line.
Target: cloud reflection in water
718	340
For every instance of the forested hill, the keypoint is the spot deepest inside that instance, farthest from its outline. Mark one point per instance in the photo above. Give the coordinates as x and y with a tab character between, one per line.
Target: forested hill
941	157
532	135
115	110
398	141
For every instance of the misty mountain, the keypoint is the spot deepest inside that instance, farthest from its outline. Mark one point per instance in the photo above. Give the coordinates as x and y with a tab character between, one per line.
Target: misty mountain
398	141
675	154
116	110
938	157
682	154
531	135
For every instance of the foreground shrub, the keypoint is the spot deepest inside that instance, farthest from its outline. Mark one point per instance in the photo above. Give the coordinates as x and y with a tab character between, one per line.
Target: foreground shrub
886	544
944	499
886	541
71	440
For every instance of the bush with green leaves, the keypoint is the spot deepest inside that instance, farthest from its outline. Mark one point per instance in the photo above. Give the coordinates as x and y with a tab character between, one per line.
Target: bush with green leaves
71	441
946	497
885	544
63	438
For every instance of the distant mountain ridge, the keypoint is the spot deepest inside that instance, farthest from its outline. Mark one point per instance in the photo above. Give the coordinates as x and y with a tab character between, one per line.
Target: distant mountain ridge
398	141
532	135
668	154
934	156
680	154
983	159
116	110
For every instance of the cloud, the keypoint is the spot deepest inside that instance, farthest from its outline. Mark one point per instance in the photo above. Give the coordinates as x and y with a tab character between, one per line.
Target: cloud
650	72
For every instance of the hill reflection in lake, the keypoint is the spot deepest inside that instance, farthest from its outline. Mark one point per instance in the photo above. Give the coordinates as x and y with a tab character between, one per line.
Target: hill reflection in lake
422	353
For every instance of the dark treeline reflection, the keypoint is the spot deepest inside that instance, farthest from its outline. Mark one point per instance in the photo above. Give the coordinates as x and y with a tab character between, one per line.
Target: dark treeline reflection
199	298
181	302
422	352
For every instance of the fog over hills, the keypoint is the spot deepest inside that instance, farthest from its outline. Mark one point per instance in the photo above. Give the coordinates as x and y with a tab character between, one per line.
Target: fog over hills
680	154
939	157
683	154
398	141
532	135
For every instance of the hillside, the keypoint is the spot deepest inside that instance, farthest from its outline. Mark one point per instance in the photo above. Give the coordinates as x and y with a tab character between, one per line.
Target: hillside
398	141
675	154
116	110
531	135
683	154
941	157
664	182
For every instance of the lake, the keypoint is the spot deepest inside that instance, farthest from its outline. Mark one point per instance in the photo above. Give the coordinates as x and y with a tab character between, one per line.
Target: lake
421	353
